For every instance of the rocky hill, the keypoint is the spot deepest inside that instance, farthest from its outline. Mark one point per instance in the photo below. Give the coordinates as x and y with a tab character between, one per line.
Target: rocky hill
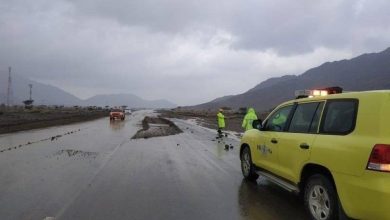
129	100
365	72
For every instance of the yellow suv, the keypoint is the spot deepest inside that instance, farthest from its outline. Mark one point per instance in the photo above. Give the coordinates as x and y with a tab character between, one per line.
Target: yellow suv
332	149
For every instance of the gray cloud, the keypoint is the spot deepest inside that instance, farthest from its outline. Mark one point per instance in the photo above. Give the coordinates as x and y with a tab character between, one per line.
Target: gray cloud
287	27
186	51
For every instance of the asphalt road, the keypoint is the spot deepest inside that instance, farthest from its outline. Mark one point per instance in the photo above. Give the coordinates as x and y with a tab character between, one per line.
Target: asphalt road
94	170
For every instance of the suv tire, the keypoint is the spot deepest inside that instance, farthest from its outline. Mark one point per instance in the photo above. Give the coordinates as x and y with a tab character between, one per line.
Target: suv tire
320	198
247	168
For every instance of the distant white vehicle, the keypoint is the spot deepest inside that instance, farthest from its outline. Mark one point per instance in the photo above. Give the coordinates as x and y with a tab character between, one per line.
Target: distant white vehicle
127	112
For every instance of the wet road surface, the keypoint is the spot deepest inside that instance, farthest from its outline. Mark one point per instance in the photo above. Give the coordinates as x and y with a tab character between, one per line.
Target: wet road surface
94	170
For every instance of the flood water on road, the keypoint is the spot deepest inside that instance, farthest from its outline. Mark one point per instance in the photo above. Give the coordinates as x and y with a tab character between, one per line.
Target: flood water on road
98	172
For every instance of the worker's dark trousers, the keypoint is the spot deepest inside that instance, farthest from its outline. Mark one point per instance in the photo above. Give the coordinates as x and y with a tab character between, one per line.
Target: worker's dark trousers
220	132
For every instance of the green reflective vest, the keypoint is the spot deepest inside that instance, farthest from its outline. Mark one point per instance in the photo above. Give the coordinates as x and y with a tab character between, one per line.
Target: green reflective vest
221	120
248	119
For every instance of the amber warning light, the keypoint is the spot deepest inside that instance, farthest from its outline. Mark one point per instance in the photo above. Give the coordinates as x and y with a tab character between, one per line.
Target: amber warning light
317	92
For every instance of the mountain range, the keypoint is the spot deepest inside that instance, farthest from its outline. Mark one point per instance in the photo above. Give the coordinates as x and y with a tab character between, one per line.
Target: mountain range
50	95
365	72
128	99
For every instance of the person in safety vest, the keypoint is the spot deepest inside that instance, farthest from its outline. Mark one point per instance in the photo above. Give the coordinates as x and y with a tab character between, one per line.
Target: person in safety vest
278	121
248	119
221	122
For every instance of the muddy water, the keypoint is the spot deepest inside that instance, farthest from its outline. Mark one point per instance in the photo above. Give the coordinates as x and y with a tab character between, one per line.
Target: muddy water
99	173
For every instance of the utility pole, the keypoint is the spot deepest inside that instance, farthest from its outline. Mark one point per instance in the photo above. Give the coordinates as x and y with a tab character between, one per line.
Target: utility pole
28	104
9	90
30	85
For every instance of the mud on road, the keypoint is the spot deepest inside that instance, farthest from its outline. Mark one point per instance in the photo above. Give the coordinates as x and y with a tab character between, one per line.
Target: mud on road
156	127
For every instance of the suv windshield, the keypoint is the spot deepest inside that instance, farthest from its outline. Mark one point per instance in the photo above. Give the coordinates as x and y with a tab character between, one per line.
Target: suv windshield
277	121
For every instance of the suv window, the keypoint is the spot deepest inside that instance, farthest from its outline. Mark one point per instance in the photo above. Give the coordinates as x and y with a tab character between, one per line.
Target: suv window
277	121
339	117
304	117
316	120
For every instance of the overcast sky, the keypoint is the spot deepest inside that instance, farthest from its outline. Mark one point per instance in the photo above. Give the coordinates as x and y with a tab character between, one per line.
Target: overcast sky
185	51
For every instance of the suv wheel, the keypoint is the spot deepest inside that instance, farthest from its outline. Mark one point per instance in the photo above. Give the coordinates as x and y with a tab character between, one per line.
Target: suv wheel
247	167
320	198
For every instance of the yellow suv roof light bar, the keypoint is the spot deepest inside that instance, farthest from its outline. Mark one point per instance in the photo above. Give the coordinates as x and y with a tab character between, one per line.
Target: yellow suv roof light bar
318	92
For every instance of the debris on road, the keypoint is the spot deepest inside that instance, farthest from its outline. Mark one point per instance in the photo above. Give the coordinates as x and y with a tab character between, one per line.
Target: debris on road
42	140
77	153
156	127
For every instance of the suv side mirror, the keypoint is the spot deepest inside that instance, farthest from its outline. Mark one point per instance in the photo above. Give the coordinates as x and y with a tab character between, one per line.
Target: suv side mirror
257	124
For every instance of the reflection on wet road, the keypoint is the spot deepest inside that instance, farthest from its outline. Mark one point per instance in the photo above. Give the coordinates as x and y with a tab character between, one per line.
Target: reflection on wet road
117	124
95	171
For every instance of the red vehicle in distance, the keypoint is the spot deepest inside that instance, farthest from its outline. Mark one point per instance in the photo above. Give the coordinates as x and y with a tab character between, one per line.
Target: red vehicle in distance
117	114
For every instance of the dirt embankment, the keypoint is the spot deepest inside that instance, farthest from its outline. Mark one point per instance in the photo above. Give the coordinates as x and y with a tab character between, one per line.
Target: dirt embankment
208	119
19	120
156	127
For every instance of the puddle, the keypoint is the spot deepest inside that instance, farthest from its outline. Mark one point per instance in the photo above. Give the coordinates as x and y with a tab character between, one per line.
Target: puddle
76	153
117	125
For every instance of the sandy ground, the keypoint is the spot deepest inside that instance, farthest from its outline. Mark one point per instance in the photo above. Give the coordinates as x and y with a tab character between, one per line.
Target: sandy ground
20	119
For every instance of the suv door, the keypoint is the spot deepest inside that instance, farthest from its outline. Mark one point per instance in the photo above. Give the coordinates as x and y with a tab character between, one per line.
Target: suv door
267	148
295	144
